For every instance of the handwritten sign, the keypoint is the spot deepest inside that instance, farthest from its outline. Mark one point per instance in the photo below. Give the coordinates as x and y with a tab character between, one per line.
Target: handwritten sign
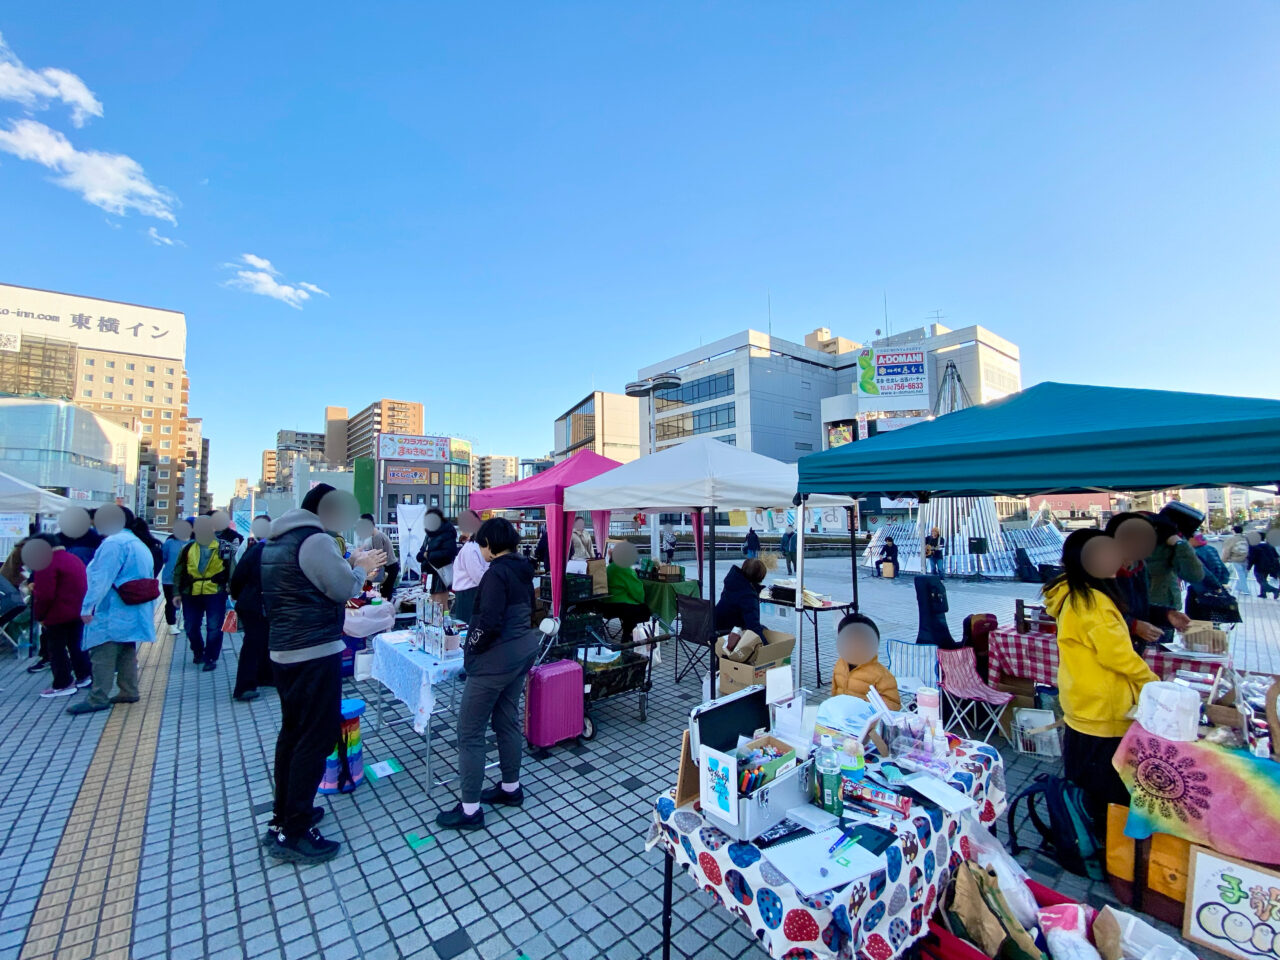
1233	907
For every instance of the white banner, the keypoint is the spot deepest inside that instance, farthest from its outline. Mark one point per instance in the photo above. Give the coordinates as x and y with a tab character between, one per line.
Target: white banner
93	324
409	517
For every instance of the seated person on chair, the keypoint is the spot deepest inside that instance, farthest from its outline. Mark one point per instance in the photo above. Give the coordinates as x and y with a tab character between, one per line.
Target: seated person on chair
739	603
626	592
858	670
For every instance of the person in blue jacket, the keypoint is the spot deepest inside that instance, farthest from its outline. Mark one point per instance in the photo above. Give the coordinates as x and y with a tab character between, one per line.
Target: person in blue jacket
113	628
170	550
739	603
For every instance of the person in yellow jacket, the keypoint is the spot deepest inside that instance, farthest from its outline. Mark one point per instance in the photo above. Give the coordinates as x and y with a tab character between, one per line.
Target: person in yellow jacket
200	575
1099	673
858	668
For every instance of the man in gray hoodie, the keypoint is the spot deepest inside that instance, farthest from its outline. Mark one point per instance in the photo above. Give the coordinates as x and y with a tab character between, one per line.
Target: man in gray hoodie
306	583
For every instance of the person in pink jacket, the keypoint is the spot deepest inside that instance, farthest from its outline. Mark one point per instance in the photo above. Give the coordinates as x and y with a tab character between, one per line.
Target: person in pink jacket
59	583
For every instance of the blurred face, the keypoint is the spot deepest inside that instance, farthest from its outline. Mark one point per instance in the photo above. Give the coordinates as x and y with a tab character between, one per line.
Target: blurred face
182	530
338	510
204	530
469	522
260	528
1136	539
220	520
432	522
857	644
364	529
109	520
936	532
1101	557
74	522
624	554
36	555
580	525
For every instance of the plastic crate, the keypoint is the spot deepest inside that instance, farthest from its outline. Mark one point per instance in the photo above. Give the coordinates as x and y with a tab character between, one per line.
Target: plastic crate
621	676
1047	744
577	586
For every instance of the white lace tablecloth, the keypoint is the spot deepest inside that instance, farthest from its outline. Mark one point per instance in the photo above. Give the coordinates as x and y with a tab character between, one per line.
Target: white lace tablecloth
410	674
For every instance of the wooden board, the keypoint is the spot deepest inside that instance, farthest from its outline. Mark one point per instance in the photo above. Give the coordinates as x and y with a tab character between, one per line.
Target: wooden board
687	787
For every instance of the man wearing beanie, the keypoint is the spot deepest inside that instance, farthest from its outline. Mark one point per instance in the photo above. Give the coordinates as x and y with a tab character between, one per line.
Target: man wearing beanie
305	586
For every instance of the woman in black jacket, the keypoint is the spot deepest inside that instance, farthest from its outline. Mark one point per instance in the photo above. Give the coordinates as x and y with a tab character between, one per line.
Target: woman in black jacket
739	603
501	648
254	669
437	553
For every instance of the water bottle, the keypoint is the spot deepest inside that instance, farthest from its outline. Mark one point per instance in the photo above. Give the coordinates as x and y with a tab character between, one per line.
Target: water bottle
827	766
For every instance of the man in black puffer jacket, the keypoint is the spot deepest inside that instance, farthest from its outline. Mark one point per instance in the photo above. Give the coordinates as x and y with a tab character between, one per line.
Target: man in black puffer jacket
306	584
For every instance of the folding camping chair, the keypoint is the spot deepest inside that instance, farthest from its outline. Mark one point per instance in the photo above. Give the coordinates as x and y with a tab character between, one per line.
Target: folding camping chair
6	624
913	665
695	632
964	693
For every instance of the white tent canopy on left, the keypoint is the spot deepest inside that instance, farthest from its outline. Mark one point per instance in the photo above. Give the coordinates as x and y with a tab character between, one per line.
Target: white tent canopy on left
18	496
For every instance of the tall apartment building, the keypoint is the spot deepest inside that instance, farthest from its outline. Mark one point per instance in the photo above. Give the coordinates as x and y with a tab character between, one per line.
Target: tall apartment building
488	470
381	416
123	361
268	478
335	434
295	445
605	423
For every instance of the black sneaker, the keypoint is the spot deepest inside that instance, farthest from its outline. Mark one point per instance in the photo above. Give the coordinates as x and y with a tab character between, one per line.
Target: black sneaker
247	696
498	797
38	666
121	698
273	828
210	666
197	658
304	848
455	819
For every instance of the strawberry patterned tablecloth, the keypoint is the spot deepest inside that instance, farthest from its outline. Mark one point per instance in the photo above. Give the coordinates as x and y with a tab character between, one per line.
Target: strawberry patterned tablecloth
875	918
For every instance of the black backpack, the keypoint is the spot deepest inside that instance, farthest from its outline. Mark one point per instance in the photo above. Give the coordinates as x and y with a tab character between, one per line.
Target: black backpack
1069	837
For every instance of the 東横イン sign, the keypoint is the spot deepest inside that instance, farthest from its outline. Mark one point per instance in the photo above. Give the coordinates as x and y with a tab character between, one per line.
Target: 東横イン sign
92	324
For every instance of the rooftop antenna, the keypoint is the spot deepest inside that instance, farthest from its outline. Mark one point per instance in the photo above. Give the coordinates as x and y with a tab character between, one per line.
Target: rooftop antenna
887	331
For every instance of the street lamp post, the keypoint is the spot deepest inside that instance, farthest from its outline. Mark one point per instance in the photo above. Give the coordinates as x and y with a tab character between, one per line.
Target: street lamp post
647	388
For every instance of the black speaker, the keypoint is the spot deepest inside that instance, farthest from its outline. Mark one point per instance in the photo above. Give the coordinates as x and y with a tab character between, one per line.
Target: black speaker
978	545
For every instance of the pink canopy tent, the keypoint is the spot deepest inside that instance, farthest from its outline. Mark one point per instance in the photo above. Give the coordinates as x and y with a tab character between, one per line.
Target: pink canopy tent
546	489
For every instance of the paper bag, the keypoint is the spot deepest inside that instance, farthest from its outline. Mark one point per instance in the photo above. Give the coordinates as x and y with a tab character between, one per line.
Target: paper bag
598	571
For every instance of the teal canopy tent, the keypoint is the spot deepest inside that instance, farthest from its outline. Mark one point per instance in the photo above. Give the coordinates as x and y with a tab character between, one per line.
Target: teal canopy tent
1063	438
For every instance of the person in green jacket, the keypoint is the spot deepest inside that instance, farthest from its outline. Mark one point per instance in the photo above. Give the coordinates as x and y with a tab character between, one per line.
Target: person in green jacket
626	592
1173	560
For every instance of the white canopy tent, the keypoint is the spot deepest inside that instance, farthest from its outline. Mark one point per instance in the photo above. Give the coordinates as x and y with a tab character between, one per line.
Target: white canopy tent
18	496
704	474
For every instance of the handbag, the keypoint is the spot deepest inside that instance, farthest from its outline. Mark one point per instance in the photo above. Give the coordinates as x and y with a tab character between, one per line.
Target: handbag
137	592
445	574
231	623
1215	604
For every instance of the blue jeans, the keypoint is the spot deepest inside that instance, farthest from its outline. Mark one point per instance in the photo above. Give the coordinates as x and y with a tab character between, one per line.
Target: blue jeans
1242	577
935	564
207	612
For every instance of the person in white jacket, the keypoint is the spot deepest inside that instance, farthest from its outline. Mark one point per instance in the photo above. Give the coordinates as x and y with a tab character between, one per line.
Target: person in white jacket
582	547
1235	554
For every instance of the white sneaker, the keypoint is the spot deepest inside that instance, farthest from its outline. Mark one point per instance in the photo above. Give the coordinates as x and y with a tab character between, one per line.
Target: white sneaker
86	682
173	630
55	692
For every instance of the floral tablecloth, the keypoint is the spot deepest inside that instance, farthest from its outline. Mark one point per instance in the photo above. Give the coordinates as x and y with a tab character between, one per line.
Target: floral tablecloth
410	674
875	918
1227	800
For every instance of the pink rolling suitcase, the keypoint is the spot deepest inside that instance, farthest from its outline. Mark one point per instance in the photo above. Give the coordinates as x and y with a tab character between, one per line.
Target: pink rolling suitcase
553	703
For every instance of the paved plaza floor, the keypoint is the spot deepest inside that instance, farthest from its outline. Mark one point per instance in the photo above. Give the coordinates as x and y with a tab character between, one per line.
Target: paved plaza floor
135	833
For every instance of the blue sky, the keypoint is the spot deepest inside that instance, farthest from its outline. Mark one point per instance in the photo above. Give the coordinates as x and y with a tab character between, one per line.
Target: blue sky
506	204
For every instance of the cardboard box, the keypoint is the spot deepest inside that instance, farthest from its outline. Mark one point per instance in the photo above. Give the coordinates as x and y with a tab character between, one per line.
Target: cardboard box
772	768
774	652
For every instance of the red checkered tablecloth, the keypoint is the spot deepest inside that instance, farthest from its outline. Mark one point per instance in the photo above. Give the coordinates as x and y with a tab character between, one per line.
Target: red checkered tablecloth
1034	656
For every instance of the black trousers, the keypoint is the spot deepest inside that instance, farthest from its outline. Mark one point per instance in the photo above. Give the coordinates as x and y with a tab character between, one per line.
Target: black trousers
1264	583
170	603
310	721
253	652
1086	761
62	649
494	699
390	576
631	614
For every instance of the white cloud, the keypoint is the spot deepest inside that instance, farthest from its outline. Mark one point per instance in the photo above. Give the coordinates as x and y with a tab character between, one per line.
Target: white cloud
113	181
36	89
161	241
260	263
257	275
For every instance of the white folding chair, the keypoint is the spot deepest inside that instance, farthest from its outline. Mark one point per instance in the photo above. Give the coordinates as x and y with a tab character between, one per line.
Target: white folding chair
969	700
913	665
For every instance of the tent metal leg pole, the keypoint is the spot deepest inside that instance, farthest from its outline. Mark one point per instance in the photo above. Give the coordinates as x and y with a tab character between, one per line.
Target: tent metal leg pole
711	575
799	629
852	513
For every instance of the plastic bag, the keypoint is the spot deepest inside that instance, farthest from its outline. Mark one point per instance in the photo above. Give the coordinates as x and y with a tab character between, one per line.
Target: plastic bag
1122	936
991	854
1066	930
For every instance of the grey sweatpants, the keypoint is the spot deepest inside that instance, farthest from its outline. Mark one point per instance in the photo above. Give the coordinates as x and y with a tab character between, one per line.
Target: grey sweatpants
113	662
488	697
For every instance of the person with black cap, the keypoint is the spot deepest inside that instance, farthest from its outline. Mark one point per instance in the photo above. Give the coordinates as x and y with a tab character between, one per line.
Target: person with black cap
306	584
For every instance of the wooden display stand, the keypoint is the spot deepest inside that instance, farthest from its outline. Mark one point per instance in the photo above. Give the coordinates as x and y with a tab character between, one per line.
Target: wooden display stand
1147	875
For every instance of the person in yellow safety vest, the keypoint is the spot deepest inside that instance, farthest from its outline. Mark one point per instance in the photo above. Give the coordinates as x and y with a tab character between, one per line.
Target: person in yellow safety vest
201	575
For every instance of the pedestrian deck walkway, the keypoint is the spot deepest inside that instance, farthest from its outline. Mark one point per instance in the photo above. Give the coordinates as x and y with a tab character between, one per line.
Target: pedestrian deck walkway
135	833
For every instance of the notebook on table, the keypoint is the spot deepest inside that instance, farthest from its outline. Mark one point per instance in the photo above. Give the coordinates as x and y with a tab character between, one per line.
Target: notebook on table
803	861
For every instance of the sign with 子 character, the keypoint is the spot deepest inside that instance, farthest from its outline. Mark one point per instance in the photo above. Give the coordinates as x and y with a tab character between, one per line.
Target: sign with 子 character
1233	907
90	323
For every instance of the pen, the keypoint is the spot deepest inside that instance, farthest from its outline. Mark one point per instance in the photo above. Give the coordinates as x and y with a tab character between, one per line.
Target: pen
844	835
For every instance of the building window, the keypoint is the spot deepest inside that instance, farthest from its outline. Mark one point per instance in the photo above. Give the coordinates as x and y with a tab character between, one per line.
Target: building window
129	366
111	364
719	417
146	428
88	378
148	413
168	386
162	504
695	391
128	396
110	379
163	474
164	458
435	478
166	429
803	446
169	371
148	399
128	381
166	444
88	361
166	414
806	385
88	393
151	368
109	395
150	383
162	488
801	415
